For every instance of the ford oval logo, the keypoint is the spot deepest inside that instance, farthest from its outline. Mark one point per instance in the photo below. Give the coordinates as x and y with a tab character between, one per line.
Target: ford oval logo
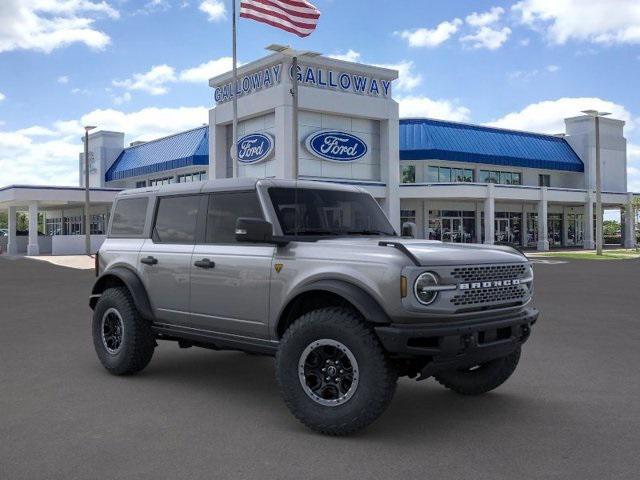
336	146
255	148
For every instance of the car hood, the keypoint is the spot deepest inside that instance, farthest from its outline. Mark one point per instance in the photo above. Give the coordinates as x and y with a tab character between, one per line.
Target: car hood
432	253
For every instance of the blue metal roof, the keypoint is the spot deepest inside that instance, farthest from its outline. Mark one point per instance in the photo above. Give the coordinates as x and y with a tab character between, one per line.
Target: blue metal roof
427	139
180	150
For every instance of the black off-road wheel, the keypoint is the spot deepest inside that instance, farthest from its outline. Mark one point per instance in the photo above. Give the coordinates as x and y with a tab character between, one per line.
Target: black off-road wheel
122	339
333	374
482	378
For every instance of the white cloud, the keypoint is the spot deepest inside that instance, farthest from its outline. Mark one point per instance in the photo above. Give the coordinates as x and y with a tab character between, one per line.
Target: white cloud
203	72
420	106
2	96
526	75
487	37
214	9
23	152
349	56
595	21
63	79
154	81
552	68
120	99
45	25
548	116
525	42
407	78
424	37
486	18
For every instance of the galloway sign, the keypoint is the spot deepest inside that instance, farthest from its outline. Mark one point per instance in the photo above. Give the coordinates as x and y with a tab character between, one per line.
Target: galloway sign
254	148
331	79
336	146
248	84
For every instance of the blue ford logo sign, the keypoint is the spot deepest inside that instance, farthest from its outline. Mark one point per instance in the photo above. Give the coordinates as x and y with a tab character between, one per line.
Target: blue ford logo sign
336	146
255	147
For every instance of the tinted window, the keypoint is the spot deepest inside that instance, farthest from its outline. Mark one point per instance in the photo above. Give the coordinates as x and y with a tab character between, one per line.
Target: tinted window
225	209
176	219
317	212
128	217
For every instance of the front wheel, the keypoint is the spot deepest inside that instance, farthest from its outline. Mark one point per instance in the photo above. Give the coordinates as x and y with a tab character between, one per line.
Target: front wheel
481	378
333	373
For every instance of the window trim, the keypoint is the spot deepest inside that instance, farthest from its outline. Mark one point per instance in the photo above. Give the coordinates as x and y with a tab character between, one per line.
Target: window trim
207	195
198	233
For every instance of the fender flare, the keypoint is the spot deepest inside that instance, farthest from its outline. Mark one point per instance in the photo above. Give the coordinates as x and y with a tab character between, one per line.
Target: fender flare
357	296
133	283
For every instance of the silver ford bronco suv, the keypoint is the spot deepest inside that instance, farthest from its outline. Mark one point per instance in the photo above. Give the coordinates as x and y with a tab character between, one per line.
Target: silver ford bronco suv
314	274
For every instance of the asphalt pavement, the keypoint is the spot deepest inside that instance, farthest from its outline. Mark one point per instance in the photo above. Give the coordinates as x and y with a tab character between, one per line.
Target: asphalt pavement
571	410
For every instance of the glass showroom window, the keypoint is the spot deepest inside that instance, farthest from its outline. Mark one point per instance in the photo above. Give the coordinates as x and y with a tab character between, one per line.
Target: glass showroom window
456	226
503	178
73	225
447	175
98	224
192	177
141	184
160	181
408	174
407	216
53	226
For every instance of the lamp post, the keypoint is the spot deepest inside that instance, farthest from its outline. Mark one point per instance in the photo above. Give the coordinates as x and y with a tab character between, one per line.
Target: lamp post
295	55
87	217
596	115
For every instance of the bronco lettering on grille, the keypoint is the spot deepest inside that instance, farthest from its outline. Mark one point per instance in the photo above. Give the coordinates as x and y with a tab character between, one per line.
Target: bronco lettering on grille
494	283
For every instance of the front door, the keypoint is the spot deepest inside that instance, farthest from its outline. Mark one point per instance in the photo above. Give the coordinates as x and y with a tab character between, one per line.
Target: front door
230	280
452	230
503	232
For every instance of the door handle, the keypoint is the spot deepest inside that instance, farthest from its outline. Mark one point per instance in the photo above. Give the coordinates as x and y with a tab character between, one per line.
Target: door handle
149	260
204	263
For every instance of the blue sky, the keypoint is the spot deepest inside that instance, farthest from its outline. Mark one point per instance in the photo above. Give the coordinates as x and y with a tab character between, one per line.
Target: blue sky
142	66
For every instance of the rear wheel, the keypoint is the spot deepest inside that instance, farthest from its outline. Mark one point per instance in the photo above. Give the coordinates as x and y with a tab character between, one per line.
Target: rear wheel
333	373
122	339
481	378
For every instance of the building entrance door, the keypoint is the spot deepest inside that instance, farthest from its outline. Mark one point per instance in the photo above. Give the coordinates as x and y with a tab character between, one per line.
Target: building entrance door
503	230
452	230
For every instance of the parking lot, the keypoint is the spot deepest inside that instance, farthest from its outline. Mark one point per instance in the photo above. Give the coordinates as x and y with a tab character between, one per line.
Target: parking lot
571	410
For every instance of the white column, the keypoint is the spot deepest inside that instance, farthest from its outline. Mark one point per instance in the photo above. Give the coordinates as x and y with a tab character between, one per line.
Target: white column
543	240
589	242
284	141
565	227
478	238
33	248
523	227
489	216
422	230
390	174
12	245
629	224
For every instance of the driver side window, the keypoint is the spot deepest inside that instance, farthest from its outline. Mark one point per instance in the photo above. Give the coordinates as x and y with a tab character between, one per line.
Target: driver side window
223	211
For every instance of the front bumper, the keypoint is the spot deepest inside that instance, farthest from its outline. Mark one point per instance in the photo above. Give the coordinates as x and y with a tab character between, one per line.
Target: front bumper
446	347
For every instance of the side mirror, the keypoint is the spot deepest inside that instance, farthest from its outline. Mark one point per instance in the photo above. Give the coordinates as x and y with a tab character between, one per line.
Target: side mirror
254	230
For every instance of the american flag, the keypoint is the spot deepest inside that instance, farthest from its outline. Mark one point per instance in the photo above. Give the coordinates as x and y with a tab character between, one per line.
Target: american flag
294	16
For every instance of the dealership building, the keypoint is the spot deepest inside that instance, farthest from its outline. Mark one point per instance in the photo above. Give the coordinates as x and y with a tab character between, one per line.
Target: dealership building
435	179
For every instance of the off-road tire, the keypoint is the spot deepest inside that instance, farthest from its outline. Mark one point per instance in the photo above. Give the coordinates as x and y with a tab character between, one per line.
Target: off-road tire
138	341
483	379
377	377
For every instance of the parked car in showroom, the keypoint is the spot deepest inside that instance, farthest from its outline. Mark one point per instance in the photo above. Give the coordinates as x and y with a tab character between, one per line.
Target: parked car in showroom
314	274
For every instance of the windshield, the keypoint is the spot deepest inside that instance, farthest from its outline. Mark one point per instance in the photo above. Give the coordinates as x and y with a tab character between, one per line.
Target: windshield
317	212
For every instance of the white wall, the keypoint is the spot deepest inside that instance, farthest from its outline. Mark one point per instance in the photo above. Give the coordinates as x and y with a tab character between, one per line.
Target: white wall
74	244
104	148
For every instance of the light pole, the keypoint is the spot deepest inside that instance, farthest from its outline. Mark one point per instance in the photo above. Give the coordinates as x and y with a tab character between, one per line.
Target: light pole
87	217
596	114
294	54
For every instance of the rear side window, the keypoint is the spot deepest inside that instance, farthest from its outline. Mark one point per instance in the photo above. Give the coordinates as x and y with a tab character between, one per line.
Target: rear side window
176	219
128	217
224	209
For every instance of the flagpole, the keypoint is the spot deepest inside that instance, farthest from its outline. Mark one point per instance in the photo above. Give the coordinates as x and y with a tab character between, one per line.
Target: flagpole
294	125
234	140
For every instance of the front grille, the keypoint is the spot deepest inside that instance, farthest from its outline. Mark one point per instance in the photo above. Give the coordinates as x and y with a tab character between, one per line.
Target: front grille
489	272
511	293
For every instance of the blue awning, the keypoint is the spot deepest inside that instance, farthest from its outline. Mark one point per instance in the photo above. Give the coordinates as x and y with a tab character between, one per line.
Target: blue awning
427	139
183	149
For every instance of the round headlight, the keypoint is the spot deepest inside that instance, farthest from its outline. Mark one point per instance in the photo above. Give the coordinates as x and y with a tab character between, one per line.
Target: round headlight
423	288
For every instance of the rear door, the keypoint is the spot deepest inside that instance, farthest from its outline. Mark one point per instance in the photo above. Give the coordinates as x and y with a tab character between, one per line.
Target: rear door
230	280
165	258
